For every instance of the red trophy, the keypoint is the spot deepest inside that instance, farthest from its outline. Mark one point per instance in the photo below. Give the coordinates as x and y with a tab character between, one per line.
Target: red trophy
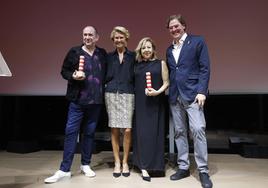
80	73
81	63
148	80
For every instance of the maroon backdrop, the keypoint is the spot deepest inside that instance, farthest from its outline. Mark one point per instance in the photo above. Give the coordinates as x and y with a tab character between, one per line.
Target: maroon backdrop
35	35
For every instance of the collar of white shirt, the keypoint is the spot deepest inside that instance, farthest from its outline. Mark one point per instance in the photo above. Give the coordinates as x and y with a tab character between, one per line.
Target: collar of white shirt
182	39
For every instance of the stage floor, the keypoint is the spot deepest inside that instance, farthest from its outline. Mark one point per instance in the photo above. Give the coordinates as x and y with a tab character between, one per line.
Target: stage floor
30	170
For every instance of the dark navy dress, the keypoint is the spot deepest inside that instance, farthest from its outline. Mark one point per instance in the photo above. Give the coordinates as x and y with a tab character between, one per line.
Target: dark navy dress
148	130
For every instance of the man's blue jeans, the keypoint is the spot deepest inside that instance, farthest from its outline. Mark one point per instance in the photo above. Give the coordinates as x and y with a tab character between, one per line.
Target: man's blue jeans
80	115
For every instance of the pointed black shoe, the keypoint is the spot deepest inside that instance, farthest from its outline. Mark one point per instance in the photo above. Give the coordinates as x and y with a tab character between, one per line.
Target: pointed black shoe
116	175
146	178
125	170
180	174
205	180
126	174
117	170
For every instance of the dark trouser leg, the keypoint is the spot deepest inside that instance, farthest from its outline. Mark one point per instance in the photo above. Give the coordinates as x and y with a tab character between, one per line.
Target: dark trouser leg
75	116
92	113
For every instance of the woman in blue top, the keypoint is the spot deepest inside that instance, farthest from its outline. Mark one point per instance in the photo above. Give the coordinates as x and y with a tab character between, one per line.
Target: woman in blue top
119	97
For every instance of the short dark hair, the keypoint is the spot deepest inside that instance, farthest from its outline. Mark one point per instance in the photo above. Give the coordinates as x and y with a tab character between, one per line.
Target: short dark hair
176	17
94	28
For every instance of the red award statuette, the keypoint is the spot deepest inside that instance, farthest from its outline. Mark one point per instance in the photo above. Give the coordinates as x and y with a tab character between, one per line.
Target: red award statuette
81	63
148	80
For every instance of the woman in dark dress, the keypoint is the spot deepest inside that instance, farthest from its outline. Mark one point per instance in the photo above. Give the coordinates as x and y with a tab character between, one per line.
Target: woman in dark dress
151	80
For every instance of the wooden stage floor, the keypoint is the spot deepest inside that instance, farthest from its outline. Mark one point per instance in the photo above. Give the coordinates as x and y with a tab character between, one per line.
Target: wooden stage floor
30	170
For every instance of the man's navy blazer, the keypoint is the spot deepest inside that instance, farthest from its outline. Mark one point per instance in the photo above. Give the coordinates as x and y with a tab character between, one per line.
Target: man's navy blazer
190	76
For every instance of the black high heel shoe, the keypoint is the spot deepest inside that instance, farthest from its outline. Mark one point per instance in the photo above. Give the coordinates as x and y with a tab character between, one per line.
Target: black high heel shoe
116	175
126	174
117	167
125	170
146	178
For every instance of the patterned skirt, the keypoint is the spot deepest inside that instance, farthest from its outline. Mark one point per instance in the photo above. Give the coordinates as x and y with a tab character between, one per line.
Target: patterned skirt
120	108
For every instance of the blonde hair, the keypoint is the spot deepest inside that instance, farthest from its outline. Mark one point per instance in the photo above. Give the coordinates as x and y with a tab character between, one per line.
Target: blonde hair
120	29
141	44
